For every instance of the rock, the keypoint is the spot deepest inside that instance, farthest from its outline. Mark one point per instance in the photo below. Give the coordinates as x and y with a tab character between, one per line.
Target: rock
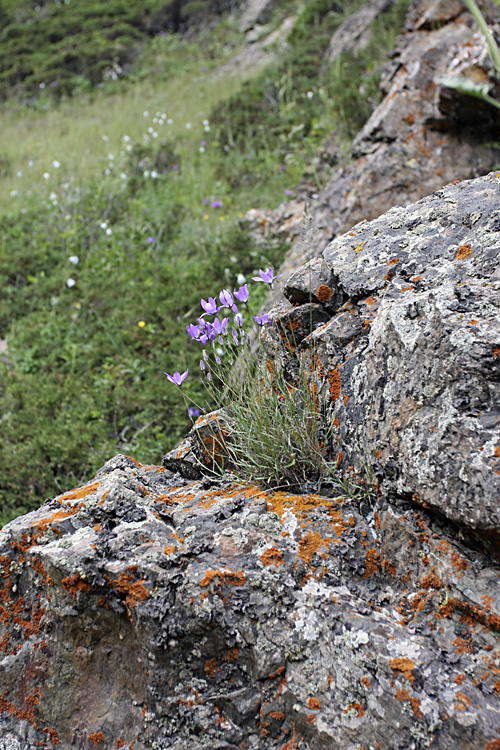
413	356
407	149
140	611
205	448
283	223
256	12
473	63
430	16
316	282
259	54
355	32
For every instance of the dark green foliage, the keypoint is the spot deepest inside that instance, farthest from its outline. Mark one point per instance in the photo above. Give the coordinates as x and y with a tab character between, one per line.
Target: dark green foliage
62	41
267	109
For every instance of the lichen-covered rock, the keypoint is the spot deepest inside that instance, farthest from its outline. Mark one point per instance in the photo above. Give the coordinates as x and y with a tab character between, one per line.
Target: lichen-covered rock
413	354
145	611
206	448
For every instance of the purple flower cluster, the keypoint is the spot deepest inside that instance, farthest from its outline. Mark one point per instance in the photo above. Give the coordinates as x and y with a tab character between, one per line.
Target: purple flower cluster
206	332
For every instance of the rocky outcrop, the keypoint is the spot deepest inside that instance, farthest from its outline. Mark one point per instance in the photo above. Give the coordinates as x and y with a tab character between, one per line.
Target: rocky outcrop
146	610
422	135
412	350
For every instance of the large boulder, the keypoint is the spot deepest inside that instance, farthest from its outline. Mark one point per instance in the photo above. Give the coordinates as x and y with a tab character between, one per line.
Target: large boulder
412	350
145	611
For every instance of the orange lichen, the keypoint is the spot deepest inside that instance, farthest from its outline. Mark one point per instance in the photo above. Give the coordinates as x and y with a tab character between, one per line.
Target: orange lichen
370	301
403	695
471	614
277	715
431	581
210	667
405	667
372	563
230	577
458	562
97	738
493	745
134	592
291	744
314	704
406	289
231	655
334	380
309	545
463	252
272	556
366	682
38	568
76	583
324	293
463	647
393	262
463	702
169	550
357	707
496	353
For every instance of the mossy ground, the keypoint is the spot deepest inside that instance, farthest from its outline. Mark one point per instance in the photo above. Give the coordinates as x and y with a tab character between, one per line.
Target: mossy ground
83	375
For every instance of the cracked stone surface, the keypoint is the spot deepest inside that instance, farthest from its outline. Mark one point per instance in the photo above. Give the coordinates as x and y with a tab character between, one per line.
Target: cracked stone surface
412	351
146	611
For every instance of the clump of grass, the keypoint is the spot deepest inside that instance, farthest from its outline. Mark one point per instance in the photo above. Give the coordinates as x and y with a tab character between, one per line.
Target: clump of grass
277	430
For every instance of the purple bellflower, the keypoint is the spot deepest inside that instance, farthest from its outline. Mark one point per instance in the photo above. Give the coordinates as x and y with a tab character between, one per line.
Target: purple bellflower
220	326
267	276
210	307
176	378
192	412
194	331
242	294
227	300
262	321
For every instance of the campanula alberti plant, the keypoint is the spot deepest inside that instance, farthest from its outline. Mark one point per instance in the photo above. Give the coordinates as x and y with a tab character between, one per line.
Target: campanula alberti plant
276	426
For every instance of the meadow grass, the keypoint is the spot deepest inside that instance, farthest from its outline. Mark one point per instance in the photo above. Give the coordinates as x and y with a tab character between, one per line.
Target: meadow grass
103	263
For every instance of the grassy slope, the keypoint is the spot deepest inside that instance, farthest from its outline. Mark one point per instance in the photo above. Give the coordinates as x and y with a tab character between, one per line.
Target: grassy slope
83	378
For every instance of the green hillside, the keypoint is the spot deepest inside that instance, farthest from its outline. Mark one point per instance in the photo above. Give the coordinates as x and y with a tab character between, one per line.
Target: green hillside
121	200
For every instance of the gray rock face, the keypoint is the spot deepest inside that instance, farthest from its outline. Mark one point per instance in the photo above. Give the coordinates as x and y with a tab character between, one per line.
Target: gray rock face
144	611
413	349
